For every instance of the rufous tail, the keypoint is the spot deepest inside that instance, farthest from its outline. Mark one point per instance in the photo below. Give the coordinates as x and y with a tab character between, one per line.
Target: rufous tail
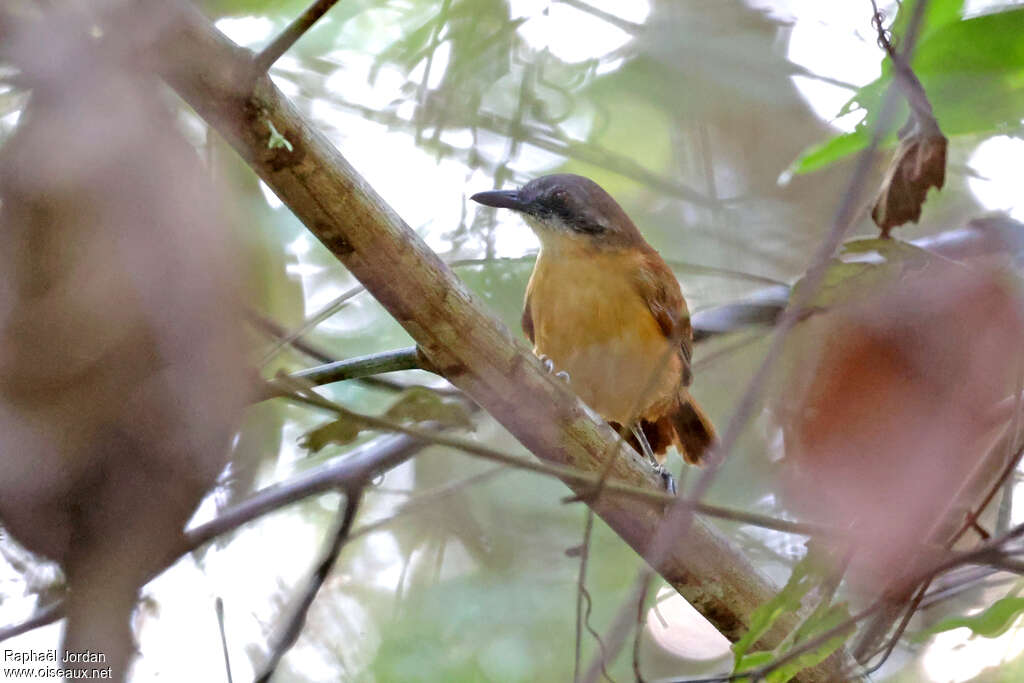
695	435
686	427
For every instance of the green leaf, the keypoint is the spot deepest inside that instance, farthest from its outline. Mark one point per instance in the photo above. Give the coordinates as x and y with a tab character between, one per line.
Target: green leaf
937	14
847	279
753	660
342	431
891	250
415	404
972	71
761	621
825	153
842	280
814	627
419	404
991	623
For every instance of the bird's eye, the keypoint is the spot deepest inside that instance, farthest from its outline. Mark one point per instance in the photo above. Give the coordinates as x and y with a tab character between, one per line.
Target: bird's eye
558	197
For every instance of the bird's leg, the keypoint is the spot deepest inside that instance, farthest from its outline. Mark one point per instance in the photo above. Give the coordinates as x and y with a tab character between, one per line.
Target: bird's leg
645	446
549	365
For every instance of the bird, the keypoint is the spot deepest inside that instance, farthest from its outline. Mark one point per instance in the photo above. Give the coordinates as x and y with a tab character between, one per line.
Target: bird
603	307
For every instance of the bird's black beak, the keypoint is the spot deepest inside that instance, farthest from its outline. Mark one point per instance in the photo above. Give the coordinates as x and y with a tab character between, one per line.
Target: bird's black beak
501	199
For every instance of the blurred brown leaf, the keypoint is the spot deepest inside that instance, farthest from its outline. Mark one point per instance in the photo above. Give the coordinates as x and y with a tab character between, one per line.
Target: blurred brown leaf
121	353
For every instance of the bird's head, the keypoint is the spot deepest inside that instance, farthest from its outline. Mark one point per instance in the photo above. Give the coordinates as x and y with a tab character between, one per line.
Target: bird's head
567	207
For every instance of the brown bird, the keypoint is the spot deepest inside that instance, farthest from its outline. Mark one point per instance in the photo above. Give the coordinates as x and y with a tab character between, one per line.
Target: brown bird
604	307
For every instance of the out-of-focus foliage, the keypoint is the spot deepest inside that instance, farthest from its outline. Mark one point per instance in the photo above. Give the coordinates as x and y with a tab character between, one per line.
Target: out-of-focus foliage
786	601
415	404
972	70
806	575
991	623
687	112
862	266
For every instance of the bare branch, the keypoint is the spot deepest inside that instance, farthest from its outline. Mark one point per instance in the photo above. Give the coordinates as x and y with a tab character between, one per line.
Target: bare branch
351	368
287	637
291	35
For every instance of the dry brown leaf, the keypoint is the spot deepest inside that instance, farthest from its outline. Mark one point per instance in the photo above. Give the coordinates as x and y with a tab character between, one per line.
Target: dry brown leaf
918	165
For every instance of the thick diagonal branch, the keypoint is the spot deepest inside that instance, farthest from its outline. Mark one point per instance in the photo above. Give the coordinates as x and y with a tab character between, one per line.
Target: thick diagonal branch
458	336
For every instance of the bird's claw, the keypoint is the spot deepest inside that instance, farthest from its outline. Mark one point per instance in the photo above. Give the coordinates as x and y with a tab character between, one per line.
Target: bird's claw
667	479
549	365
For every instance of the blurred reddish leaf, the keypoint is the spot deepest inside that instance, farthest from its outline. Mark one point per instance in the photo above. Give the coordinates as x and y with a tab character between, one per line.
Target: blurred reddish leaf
887	409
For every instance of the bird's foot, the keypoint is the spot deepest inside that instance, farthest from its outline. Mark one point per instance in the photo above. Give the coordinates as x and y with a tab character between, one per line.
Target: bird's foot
667	479
645	447
549	365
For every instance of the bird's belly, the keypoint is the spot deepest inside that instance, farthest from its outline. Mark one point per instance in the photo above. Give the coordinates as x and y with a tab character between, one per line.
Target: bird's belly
618	359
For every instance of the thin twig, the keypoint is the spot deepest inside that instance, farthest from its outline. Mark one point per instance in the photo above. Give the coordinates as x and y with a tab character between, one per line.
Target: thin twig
639	632
321	355
567	473
582	594
219	607
271	53
326	312
276	330
363	464
287	637
351	368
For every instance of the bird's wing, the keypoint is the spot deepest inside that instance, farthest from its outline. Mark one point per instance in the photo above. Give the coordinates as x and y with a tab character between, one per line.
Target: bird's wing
527	319
659	288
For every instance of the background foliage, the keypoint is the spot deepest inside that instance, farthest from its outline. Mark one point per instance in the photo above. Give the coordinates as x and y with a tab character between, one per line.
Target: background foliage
688	113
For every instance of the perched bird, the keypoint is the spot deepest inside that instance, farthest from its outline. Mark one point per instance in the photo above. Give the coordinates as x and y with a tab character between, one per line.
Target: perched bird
604	307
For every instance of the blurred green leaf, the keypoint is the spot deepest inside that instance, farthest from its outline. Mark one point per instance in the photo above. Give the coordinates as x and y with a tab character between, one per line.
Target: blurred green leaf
972	71
890	250
415	404
814	627
937	14
991	623
805	575
764	617
419	404
754	660
501	283
828	152
342	431
846	280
